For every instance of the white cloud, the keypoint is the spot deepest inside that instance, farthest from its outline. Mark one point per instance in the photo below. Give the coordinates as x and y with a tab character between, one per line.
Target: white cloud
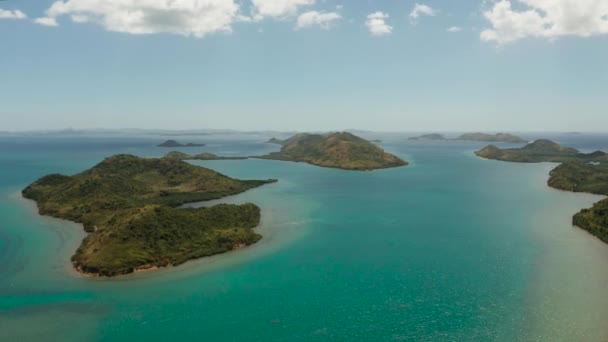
376	24
16	14
322	19
277	8
454	29
545	19
46	21
420	10
185	17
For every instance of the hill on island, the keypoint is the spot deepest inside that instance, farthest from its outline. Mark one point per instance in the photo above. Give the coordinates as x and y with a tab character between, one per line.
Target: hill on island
541	150
430	136
334	150
128	205
175	155
498	137
173	143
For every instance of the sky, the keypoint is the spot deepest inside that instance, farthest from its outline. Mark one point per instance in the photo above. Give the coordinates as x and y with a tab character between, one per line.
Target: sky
384	65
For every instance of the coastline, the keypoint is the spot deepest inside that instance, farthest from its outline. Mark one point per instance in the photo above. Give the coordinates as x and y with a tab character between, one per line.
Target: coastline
556	296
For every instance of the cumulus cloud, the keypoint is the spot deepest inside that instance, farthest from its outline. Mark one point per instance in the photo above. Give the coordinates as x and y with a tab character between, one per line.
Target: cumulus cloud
314	18
376	24
184	17
420	10
16	14
545	19
454	29
277	8
46	21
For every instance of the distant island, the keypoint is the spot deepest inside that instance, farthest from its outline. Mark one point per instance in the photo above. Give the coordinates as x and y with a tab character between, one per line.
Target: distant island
541	150
175	155
274	140
579	172
498	137
431	136
173	143
334	150
129	206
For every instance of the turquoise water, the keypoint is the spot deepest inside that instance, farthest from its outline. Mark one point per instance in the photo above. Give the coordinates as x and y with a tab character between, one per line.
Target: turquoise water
450	248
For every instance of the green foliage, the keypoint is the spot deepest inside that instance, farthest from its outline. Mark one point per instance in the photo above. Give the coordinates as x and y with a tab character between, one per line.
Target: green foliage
540	151
161	236
591	178
118	195
594	220
335	150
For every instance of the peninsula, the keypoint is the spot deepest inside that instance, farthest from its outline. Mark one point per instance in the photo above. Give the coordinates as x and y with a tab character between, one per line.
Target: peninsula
175	155
579	172
340	150
173	143
498	137
129	206
541	150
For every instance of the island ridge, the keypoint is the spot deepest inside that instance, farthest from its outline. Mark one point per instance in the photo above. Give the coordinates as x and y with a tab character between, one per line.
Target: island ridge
340	150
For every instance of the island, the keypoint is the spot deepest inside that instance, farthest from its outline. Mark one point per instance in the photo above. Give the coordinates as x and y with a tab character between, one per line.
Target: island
541	150
578	172
340	150
274	140
173	143
430	136
498	137
129	207
176	155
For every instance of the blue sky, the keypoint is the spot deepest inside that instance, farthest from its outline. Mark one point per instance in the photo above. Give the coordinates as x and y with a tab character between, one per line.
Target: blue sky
305	65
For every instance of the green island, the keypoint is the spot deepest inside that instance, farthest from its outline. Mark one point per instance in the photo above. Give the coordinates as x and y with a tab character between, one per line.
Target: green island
173	143
274	140
340	150
430	136
578	172
498	137
175	155
591	178
129	207
541	150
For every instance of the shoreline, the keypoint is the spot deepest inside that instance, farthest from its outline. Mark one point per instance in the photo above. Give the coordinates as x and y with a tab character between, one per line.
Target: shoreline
73	269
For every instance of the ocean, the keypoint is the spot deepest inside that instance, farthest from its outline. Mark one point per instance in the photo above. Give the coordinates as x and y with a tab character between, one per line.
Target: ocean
449	248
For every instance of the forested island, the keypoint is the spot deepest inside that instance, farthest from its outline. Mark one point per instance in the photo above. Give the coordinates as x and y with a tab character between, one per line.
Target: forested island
340	150
498	137
175	155
128	205
173	143
430	136
541	150
579	172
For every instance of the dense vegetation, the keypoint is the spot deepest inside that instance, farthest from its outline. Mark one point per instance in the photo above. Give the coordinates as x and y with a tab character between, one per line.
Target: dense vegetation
175	155
498	137
173	143
585	177
540	151
580	172
128	205
431	136
335	150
